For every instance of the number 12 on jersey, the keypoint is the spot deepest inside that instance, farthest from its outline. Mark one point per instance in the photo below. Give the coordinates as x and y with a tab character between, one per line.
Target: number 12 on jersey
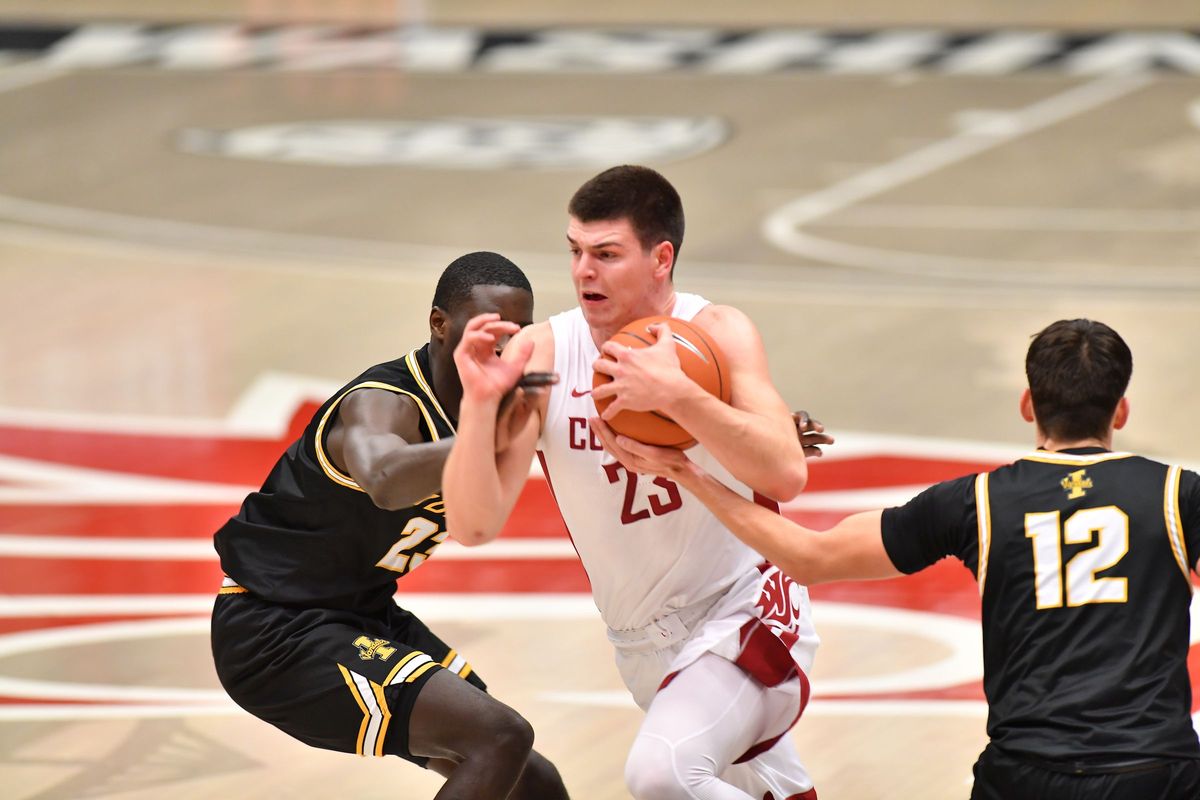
1111	528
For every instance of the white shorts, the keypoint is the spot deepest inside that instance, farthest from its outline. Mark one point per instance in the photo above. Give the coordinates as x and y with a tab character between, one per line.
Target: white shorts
763	623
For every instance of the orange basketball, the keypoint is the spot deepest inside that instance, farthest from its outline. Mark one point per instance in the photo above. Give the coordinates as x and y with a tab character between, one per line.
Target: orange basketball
701	360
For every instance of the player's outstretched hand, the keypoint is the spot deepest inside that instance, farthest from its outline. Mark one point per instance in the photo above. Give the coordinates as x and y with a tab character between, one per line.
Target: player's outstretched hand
484	375
811	434
637	457
643	379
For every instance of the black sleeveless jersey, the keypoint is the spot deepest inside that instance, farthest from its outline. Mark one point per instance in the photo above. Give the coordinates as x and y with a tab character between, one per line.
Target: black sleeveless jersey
1083	559
310	536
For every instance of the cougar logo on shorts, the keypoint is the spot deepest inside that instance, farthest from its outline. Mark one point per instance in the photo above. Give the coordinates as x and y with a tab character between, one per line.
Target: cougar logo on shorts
781	604
369	648
468	142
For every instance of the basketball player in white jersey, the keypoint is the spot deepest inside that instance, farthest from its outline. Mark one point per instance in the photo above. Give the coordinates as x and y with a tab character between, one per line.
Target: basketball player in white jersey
713	643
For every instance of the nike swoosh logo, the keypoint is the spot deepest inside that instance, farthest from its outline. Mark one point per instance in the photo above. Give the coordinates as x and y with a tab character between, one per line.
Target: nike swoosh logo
577	393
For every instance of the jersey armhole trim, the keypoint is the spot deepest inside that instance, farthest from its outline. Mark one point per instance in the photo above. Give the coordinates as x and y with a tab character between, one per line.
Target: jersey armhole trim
1171	515
414	368
327	466
983	516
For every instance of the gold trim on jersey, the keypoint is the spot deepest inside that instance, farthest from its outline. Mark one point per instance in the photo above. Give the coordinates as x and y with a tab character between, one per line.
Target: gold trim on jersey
1072	459
456	664
414	367
229	586
332	472
1171	515
983	516
376	715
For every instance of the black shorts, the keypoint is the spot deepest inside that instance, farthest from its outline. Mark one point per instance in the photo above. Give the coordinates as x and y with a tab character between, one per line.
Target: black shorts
1004	776
333	679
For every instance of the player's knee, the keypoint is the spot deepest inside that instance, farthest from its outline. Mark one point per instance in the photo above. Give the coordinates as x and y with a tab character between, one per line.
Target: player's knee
507	733
651	771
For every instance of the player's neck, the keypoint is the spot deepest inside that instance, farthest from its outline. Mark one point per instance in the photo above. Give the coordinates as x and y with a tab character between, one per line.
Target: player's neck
1057	445
660	306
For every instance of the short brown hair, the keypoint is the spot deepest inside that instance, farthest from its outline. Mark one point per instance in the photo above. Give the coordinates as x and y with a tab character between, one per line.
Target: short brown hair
1078	370
638	194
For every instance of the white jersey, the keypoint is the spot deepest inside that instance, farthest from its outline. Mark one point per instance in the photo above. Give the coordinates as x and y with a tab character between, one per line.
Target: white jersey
648	546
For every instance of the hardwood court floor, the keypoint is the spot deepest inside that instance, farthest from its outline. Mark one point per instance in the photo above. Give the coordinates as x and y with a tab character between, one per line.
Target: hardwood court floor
172	305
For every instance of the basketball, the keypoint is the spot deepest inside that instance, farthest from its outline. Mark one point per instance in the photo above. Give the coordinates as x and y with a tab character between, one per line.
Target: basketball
701	360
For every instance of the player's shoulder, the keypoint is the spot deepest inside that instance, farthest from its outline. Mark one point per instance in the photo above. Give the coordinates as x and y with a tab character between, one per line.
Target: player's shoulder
736	333
717	314
541	335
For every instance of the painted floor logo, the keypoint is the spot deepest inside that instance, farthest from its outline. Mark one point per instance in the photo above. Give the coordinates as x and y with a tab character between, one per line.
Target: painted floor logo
468	142
717	51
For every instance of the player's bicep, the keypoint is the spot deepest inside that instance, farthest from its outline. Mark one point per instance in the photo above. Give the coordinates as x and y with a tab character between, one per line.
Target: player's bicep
936	523
373	423
750	375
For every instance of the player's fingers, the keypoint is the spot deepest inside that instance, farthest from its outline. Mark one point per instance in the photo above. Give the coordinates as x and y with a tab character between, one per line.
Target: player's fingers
608	439
603	390
479	320
605	366
500	328
615	350
614	408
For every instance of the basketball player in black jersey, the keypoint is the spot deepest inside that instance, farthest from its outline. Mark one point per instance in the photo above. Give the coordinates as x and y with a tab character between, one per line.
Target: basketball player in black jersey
1084	559
305	632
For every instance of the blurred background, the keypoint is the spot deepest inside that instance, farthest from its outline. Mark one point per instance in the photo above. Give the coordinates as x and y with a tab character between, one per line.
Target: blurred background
211	215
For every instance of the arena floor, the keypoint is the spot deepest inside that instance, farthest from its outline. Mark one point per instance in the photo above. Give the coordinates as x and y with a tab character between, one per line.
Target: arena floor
208	222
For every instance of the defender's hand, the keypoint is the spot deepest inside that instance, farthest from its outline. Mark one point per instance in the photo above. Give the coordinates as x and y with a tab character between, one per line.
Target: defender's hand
811	434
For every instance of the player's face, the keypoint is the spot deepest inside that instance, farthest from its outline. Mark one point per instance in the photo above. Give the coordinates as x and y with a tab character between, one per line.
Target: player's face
513	305
616	279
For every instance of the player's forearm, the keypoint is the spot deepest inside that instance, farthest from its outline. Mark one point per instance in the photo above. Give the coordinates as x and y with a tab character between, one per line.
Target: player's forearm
851	550
471	483
400	478
761	452
779	540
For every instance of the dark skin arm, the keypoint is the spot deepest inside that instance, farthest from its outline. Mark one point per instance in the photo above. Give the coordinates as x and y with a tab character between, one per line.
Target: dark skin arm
376	440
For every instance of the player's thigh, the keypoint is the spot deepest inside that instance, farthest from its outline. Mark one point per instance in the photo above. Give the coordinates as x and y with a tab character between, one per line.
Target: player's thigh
330	678
451	720
713	705
405	626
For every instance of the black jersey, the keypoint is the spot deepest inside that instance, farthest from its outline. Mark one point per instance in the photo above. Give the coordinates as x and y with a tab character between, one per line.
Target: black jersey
1083	560
311	536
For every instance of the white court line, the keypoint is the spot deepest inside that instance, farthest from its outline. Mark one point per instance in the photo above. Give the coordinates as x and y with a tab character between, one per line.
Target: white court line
1018	218
959	636
23	75
782	227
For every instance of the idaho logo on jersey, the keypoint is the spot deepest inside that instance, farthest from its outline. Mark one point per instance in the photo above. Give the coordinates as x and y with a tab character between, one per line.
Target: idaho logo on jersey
1075	484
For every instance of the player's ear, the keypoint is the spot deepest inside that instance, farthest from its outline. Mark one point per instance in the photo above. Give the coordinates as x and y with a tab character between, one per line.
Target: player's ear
664	257
1121	416
439	324
1027	406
